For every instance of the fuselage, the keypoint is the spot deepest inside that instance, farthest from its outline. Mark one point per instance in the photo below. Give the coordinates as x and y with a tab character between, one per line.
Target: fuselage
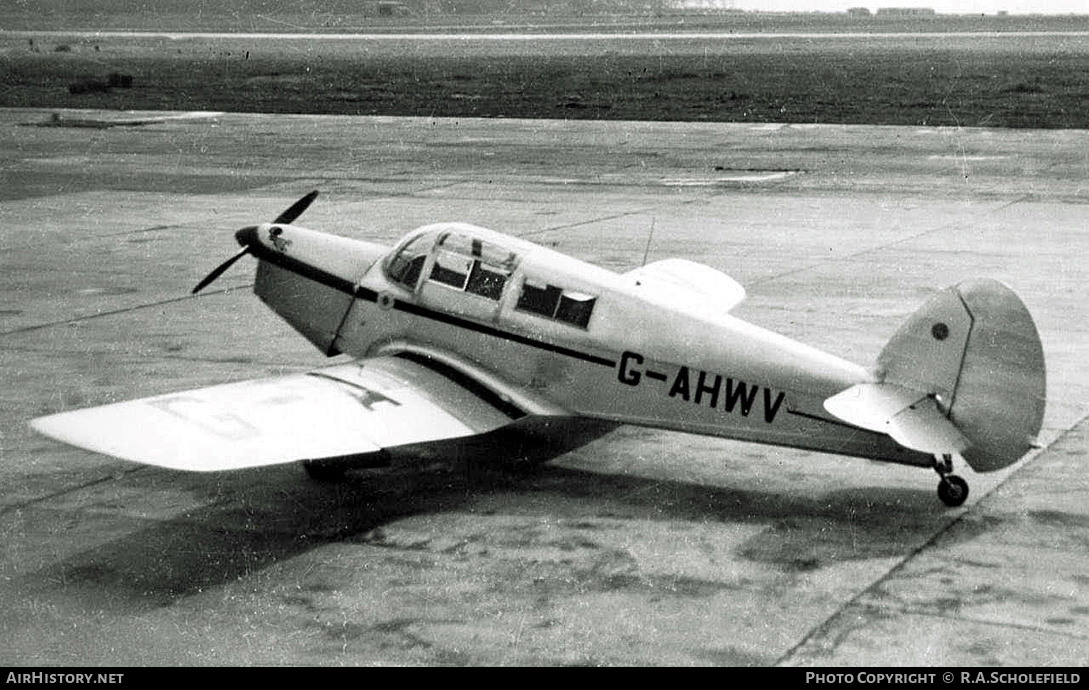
521	317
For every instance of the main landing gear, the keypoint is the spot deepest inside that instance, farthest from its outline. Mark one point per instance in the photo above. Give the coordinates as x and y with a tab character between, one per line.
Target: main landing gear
952	490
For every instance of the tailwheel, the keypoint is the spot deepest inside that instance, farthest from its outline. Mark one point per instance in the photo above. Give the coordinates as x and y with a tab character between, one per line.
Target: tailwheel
324	471
952	490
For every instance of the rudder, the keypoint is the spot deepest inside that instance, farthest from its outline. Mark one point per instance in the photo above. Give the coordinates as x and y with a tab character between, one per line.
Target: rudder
975	350
999	402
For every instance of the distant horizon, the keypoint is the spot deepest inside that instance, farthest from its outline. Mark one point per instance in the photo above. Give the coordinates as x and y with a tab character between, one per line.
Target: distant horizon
333	8
988	7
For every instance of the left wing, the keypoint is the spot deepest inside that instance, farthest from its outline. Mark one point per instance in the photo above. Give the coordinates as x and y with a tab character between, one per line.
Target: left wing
338	411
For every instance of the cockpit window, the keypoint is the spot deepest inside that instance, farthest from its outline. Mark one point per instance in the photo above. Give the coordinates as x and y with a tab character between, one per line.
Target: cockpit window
568	306
487	281
408	264
472	265
451	269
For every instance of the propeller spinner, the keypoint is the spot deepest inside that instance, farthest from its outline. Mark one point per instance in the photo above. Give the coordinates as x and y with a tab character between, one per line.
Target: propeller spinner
285	218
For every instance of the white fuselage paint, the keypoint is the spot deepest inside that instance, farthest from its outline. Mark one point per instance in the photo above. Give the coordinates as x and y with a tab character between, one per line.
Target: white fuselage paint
636	361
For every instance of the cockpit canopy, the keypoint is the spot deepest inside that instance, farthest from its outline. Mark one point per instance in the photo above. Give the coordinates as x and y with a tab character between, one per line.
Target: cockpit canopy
461	261
476	261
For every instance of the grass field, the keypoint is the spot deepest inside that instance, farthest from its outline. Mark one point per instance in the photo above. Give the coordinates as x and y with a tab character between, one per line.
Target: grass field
988	78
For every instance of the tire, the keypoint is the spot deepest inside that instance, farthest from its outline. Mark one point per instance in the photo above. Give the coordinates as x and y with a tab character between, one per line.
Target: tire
952	490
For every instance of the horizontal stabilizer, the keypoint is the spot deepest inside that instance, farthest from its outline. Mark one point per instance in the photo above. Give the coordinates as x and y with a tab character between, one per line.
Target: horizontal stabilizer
344	410
911	418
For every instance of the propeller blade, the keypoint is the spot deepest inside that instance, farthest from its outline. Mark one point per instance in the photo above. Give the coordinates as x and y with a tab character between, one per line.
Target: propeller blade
296	210
218	270
247	236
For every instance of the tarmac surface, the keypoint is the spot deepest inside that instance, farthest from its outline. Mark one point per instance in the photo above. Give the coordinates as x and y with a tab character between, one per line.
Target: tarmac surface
641	548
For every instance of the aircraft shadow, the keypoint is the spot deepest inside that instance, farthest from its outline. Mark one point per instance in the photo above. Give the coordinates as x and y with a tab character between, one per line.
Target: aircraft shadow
254	519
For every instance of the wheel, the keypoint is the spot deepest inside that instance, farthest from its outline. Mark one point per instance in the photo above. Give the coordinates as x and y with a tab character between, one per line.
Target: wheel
324	471
952	490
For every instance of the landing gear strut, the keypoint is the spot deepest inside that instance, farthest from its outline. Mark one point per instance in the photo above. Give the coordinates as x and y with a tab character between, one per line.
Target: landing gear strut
952	490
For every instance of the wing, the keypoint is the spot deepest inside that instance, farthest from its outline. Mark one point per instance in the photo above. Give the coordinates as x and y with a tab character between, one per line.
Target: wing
687	286
338	411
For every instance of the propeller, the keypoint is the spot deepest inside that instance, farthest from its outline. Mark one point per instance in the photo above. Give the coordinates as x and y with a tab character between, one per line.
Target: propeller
288	217
218	271
247	235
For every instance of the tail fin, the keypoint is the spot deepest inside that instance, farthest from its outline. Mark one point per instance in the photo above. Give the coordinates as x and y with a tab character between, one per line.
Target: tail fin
975	348
970	356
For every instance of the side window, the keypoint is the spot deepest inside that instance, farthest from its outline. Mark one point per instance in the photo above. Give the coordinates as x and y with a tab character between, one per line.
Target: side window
539	298
553	302
575	308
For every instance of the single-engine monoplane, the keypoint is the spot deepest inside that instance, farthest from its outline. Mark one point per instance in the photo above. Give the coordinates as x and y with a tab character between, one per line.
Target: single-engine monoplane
458	331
